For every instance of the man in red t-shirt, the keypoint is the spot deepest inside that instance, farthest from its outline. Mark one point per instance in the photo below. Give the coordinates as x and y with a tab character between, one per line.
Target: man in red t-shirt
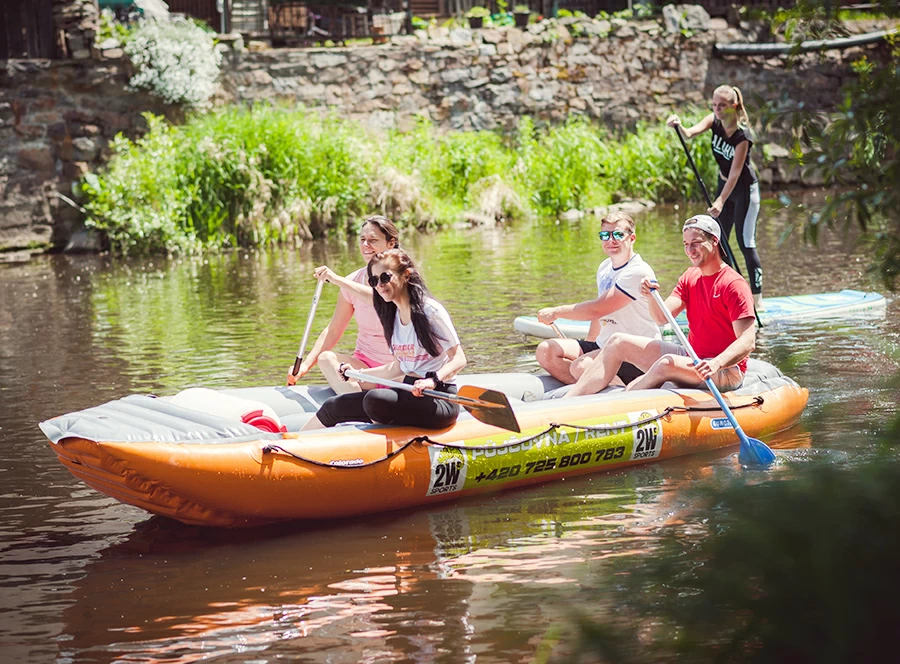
720	314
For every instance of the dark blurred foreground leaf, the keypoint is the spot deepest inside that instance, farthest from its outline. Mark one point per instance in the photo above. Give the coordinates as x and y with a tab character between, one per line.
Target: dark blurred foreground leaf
788	571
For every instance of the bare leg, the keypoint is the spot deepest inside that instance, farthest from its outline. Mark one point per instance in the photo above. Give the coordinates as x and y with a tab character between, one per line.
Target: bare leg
556	356
579	366
676	368
639	351
329	363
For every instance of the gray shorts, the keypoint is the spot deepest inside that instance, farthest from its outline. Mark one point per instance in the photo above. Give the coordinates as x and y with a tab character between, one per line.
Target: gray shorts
727	379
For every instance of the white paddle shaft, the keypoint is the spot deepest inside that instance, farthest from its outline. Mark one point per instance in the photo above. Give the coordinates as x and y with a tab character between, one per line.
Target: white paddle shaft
350	373
676	328
309	320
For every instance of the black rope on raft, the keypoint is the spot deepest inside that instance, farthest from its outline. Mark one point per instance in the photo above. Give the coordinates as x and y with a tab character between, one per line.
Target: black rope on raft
272	447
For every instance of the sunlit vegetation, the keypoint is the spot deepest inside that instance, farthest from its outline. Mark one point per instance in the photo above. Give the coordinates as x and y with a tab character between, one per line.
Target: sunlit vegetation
243	177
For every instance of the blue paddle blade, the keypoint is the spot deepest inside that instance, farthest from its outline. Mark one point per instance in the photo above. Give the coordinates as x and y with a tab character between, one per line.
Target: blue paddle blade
755	452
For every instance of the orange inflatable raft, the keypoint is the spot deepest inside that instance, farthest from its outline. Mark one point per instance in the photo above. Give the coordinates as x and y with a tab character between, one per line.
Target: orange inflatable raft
200	465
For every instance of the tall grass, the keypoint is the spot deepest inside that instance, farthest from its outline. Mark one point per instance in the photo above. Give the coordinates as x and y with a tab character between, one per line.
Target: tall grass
250	176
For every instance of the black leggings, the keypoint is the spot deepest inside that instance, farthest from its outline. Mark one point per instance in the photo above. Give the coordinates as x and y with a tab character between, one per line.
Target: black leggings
741	211
390	406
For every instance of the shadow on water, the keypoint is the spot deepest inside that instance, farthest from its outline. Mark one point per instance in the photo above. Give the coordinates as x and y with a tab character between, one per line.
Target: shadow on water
485	577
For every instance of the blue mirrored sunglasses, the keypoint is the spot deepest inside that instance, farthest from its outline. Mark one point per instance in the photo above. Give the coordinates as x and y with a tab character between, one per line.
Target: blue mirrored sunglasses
612	235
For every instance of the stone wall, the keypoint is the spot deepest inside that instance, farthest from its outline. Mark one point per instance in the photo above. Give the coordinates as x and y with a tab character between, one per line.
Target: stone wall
618	73
56	118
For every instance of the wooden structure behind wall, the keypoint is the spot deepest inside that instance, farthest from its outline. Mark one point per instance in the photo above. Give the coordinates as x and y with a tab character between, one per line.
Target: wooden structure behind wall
26	29
204	10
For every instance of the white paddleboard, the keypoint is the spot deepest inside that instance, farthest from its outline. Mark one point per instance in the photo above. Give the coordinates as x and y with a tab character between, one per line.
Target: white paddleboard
777	309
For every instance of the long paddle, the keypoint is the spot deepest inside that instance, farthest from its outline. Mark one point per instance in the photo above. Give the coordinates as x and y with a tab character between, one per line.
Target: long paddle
729	256
488	406
309	321
753	451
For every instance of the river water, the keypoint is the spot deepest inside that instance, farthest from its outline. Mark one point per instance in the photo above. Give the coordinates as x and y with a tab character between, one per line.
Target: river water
87	579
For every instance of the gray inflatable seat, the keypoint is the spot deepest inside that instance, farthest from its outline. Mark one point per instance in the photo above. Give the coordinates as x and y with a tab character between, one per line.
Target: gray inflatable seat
757	371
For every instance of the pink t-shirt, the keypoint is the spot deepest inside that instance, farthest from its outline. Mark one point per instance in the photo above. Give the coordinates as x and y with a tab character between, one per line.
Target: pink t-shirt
370	340
713	304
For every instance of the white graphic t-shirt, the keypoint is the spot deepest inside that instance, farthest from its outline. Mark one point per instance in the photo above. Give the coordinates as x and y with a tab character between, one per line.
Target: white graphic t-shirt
634	318
405	346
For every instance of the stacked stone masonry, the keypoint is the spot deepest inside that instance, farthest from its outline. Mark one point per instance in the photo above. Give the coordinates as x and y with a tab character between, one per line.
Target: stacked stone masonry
57	117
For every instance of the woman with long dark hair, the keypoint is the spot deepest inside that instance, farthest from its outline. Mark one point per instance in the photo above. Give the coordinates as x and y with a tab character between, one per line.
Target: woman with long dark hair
426	350
377	234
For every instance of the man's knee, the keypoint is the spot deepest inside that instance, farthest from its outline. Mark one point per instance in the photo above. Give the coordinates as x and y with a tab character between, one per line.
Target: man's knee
621	346
664	365
548	351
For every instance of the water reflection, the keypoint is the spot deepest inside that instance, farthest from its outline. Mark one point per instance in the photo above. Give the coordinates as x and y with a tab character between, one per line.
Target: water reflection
84	578
406	586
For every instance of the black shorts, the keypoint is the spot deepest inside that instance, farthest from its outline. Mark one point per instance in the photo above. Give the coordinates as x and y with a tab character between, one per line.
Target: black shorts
587	346
627	372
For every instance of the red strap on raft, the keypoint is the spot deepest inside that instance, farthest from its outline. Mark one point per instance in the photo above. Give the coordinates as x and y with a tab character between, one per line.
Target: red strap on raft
255	418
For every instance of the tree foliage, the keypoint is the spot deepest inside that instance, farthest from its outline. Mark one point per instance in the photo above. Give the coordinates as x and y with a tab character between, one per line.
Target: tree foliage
801	570
856	151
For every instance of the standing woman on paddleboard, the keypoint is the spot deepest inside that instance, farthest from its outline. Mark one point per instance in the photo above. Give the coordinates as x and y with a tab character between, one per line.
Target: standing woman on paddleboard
377	234
426	351
737	194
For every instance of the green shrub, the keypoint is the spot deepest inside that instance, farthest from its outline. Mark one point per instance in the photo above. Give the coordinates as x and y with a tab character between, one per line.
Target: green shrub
242	176
235	177
563	167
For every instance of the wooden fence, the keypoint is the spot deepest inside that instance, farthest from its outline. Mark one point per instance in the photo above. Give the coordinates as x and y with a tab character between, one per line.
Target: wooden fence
26	29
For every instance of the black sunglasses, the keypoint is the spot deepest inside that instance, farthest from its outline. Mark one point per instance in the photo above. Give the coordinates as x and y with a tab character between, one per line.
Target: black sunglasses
615	235
385	278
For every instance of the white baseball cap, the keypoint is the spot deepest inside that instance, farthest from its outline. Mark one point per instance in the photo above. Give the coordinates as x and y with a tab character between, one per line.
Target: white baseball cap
704	222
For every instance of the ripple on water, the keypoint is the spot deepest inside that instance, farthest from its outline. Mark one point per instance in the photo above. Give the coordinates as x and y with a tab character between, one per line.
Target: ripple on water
86	579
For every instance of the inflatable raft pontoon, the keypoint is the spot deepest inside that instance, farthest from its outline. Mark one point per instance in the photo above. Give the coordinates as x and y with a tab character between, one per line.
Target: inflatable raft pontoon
777	309
196	464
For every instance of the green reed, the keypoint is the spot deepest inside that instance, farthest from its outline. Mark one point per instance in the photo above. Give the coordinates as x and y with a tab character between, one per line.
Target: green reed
249	176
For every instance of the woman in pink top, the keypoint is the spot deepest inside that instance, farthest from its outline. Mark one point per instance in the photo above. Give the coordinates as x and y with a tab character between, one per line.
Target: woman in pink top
378	234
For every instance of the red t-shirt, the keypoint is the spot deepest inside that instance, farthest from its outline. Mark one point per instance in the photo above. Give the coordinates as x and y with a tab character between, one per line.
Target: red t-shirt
713	303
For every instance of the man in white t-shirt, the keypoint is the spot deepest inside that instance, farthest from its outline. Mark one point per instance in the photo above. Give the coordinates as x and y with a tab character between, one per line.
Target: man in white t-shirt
619	307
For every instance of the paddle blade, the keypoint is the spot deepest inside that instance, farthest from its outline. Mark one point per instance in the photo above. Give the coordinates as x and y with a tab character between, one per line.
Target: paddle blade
496	412
755	452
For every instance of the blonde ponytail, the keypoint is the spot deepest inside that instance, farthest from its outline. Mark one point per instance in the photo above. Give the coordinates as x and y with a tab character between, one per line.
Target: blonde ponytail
742	117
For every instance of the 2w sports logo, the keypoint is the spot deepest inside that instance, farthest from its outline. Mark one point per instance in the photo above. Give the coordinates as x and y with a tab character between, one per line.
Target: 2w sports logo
448	470
648	438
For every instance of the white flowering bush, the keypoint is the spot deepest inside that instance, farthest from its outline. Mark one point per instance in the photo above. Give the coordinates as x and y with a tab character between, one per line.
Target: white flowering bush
175	60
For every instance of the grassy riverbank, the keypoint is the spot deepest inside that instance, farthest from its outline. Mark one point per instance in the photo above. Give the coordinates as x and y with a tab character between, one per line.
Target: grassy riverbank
240	177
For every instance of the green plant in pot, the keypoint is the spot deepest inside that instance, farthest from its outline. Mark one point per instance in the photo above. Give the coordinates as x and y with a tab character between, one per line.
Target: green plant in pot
476	16
521	13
